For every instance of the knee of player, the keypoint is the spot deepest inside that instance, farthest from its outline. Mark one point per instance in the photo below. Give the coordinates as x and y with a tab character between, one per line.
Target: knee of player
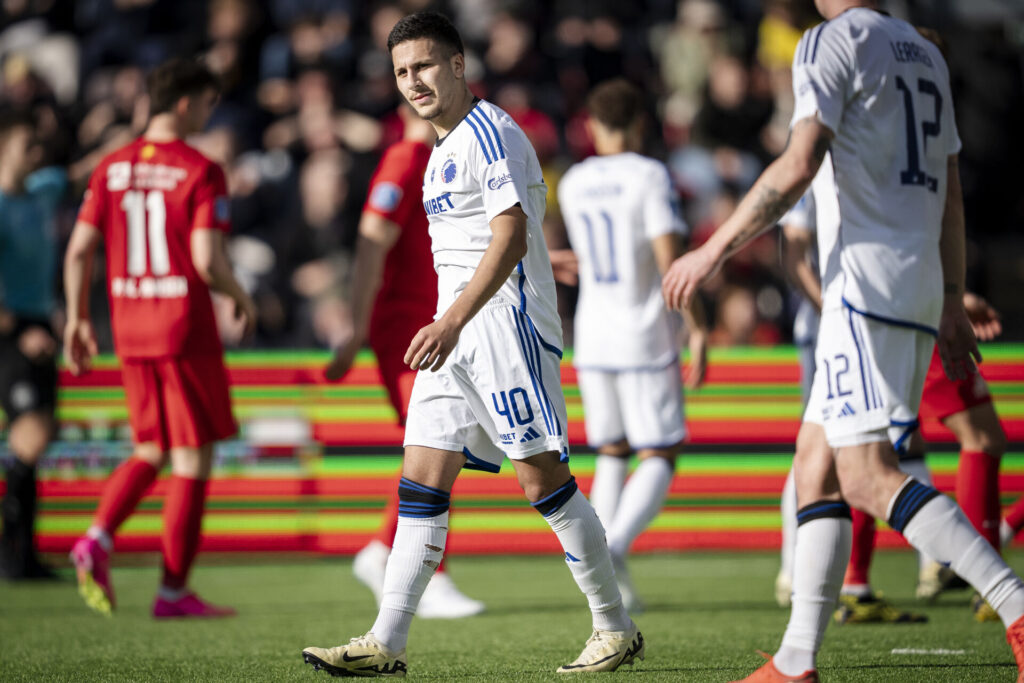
29	436
991	440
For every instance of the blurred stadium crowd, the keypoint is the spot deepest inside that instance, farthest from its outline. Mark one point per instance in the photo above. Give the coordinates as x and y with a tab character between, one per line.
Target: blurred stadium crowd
309	104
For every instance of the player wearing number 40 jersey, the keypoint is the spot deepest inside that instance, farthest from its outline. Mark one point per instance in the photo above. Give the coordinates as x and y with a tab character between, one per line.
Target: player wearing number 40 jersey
488	380
873	111
161	210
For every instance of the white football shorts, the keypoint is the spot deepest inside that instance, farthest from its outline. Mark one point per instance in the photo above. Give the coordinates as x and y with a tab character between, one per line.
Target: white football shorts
868	379
498	394
645	407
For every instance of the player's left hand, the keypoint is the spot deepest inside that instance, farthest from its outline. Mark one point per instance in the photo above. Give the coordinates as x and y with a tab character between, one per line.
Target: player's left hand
984	319
431	346
79	346
698	366
565	266
344	357
958	348
685	275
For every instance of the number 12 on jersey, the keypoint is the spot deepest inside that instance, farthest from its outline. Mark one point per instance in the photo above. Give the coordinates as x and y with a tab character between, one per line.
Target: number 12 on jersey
146	215
914	175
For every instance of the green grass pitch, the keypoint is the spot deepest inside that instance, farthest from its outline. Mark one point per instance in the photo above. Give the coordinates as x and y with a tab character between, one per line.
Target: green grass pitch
707	613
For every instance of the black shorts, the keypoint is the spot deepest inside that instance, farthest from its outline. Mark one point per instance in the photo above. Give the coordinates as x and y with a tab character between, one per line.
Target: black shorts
25	386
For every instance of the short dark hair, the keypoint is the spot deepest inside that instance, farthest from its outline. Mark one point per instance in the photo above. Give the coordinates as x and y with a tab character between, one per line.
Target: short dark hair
616	103
177	78
432	25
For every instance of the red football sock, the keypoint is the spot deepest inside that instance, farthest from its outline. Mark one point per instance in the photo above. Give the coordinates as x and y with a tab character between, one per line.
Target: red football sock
183	522
977	492
862	551
126	486
388	527
1015	517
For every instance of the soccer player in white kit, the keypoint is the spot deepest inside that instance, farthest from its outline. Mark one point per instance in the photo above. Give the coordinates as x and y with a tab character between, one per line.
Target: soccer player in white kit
488	382
622	216
872	101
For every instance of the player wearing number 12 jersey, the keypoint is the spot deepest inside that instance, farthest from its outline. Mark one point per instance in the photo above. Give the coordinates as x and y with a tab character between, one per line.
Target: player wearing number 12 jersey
873	110
161	210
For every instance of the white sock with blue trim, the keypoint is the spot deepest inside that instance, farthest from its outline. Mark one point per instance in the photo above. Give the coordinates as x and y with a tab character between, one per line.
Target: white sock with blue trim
941	529
824	538
640	503
609	478
580	532
915	466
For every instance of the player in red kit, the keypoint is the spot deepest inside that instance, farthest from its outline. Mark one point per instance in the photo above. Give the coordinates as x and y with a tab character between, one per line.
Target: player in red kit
161	210
394	295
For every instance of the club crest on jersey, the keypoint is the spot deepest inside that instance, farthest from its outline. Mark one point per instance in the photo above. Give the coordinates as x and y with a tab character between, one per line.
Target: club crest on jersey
500	181
448	171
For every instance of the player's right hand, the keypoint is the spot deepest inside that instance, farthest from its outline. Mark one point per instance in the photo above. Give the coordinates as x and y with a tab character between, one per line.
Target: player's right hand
565	266
344	357
685	275
245	310
431	346
79	346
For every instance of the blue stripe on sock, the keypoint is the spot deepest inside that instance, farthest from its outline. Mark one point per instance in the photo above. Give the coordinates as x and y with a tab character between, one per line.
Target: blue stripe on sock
551	504
422	487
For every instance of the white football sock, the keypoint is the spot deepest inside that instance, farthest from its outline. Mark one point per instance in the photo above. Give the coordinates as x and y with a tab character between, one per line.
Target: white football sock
916	468
819	562
787	507
609	477
415	554
940	529
640	503
582	538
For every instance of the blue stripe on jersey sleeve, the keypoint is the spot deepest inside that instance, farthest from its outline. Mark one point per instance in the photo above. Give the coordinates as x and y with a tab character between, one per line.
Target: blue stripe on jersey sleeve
817	37
475	115
483	147
494	129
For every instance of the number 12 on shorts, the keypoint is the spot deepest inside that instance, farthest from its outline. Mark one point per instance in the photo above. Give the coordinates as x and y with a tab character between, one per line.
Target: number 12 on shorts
513	404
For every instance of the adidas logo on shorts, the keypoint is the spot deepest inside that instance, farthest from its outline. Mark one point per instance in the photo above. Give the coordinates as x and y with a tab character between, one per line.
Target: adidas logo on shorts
530	435
847	411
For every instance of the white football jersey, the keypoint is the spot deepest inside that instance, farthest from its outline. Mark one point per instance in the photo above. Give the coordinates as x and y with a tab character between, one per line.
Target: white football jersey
884	91
613	207
484	166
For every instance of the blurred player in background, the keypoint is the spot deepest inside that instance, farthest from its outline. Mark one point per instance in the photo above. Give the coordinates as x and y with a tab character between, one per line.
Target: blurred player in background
488	386
873	96
394	294
161	210
623	219
28	373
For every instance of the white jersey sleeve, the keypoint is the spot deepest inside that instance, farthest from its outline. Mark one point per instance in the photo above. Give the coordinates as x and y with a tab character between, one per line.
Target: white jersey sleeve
823	76
661	205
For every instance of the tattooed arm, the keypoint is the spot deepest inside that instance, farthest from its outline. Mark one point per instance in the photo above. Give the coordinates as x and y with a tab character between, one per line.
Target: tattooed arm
778	188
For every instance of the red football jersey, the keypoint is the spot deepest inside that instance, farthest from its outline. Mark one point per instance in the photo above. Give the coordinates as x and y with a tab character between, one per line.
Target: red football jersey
407	298
147	198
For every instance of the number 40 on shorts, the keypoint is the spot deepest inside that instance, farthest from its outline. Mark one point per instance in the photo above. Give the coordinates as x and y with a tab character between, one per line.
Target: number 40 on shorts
514	403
